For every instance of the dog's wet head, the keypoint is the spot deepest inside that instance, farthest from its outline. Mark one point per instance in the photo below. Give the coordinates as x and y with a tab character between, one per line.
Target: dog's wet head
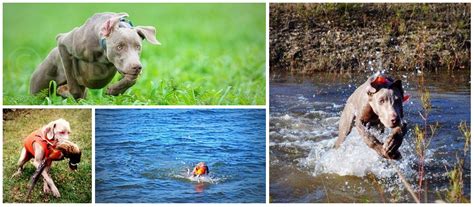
123	44
386	100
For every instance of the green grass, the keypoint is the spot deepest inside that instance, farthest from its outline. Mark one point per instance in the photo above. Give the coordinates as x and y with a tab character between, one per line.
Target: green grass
75	187
211	54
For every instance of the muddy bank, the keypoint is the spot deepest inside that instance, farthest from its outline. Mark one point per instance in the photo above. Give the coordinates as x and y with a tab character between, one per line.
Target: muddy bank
308	38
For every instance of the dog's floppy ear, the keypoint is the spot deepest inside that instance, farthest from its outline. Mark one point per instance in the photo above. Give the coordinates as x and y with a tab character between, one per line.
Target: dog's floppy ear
49	130
111	24
397	85
148	33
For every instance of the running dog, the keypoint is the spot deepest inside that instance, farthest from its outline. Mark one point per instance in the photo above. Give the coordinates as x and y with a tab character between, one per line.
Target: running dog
89	56
378	103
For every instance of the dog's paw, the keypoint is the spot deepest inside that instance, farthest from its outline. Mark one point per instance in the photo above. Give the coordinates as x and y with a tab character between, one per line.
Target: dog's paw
46	189
63	91
56	193
16	174
395	156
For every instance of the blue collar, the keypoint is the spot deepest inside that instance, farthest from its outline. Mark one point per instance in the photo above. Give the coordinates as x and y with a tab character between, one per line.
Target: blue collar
102	43
126	21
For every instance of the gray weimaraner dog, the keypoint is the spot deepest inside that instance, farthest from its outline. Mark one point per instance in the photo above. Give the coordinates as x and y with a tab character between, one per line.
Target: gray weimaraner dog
90	55
378	103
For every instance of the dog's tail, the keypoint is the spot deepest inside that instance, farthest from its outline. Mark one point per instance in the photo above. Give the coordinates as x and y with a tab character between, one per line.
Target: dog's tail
35	176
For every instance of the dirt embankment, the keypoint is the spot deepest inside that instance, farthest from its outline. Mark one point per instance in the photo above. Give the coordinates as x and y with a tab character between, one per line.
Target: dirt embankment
308	38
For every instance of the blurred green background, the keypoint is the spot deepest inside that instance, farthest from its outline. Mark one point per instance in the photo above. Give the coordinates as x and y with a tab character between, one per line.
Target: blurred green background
211	54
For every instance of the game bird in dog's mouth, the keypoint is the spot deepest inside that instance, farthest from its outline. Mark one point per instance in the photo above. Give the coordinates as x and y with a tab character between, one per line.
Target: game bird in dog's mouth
375	105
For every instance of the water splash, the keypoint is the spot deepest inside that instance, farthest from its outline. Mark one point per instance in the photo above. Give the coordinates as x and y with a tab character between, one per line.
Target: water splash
353	157
181	174
198	179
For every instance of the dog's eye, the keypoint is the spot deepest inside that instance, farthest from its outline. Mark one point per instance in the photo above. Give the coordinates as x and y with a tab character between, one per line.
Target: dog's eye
64	132
119	47
381	101
138	47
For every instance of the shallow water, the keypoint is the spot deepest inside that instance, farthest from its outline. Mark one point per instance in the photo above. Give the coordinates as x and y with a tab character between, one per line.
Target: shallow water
304	116
143	155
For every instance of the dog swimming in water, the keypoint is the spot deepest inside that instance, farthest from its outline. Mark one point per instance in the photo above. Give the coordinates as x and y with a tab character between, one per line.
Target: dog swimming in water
200	169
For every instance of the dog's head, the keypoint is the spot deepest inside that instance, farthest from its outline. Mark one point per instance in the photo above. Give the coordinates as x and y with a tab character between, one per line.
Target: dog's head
56	130
386	98
123	43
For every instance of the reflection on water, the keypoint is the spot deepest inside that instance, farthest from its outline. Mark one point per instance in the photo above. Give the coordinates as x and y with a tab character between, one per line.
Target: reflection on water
304	115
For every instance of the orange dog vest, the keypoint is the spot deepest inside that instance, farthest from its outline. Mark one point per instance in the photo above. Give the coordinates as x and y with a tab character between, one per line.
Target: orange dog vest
200	170
48	148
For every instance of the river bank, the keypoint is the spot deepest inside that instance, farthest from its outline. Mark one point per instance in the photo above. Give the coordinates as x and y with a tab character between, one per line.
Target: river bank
308	38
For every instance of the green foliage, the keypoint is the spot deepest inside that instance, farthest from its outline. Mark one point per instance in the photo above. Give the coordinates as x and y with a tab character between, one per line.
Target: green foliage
456	182
75	187
423	136
210	54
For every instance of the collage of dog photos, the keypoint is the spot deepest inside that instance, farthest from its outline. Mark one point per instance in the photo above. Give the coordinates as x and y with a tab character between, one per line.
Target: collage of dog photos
242	103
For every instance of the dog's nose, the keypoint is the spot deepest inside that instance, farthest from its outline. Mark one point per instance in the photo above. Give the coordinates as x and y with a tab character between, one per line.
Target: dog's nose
394	120
137	67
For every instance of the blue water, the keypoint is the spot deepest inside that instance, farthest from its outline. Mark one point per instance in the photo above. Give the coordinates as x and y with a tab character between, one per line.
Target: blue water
142	155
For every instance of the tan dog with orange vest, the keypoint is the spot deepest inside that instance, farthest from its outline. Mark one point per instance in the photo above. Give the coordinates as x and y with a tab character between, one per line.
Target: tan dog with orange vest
47	144
200	169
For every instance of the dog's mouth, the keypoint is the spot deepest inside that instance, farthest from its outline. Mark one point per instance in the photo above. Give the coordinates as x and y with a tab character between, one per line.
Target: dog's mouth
129	73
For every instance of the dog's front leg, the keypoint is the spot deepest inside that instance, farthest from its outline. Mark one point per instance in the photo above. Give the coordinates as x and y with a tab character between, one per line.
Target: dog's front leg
46	188
345	124
39	156
70	69
394	141
120	87
370	139
48	181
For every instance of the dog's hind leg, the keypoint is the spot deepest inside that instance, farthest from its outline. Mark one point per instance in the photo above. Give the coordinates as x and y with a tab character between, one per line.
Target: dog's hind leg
50	69
345	125
24	157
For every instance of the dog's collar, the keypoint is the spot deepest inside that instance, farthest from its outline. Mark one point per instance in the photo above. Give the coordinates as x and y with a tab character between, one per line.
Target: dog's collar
128	23
102	43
